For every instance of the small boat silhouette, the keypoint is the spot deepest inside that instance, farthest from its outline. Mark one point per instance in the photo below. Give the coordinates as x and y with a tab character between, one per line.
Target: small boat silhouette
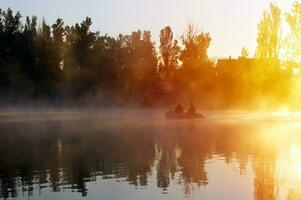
173	115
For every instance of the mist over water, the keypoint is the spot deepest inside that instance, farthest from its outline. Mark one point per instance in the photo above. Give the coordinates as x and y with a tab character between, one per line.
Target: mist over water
139	154
80	113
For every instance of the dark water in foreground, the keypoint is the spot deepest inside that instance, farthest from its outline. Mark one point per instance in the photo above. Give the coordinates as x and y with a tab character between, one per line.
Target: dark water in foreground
141	155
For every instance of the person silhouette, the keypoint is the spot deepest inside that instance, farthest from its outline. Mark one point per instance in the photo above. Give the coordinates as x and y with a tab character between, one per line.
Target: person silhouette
191	109
179	109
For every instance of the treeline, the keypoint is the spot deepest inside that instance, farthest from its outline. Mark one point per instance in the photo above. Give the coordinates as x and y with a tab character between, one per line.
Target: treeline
64	157
60	64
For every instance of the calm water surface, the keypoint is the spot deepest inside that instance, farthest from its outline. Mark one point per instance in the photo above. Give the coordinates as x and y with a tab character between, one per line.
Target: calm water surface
141	155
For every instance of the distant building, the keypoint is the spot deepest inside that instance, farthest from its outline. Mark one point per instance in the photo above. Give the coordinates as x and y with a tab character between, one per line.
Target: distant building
242	65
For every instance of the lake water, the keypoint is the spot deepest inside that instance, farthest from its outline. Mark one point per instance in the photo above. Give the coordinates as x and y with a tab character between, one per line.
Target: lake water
141	155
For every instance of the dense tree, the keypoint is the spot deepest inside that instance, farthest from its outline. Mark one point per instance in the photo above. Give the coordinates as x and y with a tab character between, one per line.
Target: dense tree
169	53
195	52
140	63
10	51
79	43
269	34
62	64
195	75
47	65
293	42
58	32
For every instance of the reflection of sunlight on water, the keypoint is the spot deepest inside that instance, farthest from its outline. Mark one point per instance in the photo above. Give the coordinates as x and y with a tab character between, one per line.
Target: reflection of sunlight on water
233	155
280	143
288	168
283	111
294	162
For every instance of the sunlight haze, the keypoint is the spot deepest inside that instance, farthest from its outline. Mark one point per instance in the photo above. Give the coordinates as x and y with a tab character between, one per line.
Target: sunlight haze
150	99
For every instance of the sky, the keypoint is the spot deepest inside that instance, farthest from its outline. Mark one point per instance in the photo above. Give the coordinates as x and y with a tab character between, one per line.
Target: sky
231	23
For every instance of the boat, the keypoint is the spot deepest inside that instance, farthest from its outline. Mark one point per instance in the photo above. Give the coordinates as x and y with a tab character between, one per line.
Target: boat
173	115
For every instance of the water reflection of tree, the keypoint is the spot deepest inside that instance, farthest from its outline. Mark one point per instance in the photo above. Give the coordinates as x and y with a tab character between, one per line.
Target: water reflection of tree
183	149
248	143
264	167
167	165
195	150
67	156
67	159
265	179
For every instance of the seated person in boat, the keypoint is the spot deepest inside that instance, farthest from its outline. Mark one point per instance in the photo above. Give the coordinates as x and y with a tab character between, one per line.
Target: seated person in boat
191	109
179	109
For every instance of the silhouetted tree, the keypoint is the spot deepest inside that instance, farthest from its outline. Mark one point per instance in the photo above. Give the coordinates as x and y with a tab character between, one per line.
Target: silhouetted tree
196	45
64	64
169	53
195	72
140	64
10	51
58	32
79	43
